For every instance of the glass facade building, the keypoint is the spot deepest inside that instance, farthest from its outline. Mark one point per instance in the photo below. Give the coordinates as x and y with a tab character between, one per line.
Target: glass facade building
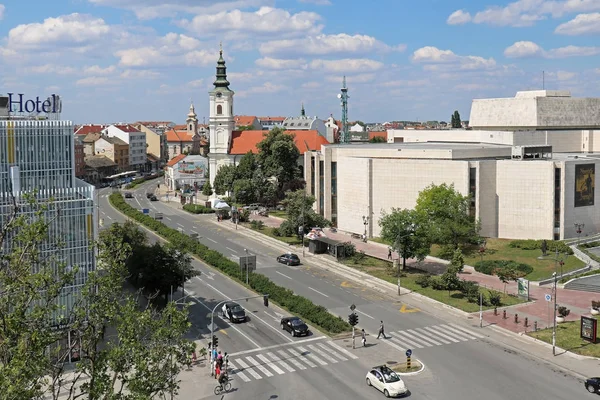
39	156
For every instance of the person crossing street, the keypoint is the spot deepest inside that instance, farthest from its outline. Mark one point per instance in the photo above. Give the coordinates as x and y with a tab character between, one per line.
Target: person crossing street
381	331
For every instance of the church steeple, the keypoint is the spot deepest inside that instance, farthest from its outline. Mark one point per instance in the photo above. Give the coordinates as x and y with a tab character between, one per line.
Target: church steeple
192	113
302	112
221	81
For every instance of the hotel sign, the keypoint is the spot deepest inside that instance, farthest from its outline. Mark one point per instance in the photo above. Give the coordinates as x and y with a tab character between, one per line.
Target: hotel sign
18	103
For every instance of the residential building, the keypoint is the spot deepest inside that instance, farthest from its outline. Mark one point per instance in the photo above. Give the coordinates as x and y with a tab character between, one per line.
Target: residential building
357	128
84	130
269	123
305	123
528	165
156	138
136	141
99	167
89	143
333	128
188	138
79	156
115	150
185	172
247	122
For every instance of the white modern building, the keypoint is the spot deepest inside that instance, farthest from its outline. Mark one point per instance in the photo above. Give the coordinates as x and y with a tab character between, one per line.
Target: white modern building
186	171
529	165
136	141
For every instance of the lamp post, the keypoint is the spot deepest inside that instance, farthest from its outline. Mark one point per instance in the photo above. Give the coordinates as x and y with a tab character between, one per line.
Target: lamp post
303	221
246	250
402	241
365	223
579	227
557	261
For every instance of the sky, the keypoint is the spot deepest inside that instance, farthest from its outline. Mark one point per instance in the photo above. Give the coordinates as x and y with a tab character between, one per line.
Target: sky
130	60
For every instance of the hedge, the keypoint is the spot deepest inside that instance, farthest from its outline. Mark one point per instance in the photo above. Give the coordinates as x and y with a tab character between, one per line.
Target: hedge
317	315
139	181
198	209
531	244
489	266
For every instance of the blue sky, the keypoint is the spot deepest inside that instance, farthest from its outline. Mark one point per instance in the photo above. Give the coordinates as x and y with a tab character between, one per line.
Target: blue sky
129	60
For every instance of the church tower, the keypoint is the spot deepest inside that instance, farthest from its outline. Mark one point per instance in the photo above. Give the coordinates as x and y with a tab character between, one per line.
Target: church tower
192	121
221	122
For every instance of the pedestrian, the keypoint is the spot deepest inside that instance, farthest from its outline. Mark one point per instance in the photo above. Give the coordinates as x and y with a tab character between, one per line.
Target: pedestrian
194	358
364	338
226	359
381	331
389	253
217	371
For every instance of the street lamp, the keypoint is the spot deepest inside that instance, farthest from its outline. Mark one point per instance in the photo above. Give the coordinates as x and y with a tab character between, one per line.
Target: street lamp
365	223
579	228
246	250
557	261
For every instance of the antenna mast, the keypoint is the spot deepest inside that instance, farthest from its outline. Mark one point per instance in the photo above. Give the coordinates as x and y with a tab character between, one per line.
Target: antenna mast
345	136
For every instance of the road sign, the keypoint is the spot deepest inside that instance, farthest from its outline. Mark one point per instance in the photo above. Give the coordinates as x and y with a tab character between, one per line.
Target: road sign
248	262
352	307
408	353
158	215
548	297
146	210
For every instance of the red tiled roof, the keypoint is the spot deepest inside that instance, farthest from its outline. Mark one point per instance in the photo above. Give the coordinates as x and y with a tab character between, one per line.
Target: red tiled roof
154	123
176	159
244	120
273	119
245	141
179	136
180	127
127	128
86	129
378	134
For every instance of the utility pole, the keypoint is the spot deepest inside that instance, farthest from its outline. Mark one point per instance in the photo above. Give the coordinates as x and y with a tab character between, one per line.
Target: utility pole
246	250
554	324
343	96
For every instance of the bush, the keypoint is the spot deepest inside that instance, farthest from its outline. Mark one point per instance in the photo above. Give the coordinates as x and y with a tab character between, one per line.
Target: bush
589	245
359	257
135	183
287	229
495	299
471	291
257	225
489	266
437	283
349	249
276	232
563	311
423	281
531	244
198	209
298	305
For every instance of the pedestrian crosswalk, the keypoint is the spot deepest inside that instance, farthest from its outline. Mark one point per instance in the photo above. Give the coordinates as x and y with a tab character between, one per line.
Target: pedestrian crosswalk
287	360
431	336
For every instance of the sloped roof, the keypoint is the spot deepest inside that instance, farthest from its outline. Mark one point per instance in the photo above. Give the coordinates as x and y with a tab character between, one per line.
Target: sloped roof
152	157
154	123
382	134
115	140
244	120
175	135
245	141
92	137
87	129
127	128
180	127
271	119
99	162
176	159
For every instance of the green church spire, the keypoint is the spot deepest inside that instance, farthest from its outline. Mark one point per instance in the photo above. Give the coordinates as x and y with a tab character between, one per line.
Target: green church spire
221	81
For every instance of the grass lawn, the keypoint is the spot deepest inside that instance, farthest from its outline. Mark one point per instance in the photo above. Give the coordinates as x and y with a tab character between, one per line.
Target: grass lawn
384	270
293	240
498	249
567	337
278	214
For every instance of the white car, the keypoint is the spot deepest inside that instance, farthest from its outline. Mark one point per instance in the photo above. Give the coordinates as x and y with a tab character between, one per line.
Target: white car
386	381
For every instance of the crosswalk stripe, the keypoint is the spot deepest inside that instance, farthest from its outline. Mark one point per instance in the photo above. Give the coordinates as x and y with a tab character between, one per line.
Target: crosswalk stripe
342	350
256	365
292	359
460	328
442	334
327	356
311	355
456	332
270	364
239	373
399	345
248	369
303	358
281	363
329	350
425	336
419	337
408	341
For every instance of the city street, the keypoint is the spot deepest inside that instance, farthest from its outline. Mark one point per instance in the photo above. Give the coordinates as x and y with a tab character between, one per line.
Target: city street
462	361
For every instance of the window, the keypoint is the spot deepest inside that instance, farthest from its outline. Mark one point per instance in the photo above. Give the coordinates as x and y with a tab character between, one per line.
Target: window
312	174
219	109
321	187
472	190
557	191
334	193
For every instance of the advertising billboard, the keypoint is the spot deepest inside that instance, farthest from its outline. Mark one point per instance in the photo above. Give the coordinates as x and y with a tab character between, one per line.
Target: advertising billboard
195	167
585	184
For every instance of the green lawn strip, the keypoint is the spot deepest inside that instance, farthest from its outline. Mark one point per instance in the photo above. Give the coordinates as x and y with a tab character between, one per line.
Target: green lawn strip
278	214
383	270
499	249
285	298
567	337
589	273
380	240
269	231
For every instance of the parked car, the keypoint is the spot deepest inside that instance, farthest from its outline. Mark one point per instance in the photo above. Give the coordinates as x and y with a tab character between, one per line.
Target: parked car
153	198
233	312
128	195
295	326
149	194
386	381
592	385
289	259
252	207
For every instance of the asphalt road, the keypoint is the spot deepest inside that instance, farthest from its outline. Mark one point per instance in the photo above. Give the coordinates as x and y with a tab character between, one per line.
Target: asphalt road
462	362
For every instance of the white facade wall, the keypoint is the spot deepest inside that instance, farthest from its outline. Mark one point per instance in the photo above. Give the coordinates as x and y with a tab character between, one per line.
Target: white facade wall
104	148
353	199
486	198
135	140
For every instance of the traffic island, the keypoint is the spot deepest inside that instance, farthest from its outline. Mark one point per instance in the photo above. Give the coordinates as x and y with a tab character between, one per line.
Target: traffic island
416	367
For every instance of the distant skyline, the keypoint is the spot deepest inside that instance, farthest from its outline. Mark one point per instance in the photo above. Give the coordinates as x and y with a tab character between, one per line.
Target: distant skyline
129	60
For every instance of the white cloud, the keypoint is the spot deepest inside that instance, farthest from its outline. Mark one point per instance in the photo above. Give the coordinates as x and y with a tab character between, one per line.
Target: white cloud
98	70
242	76
583	24
266	87
281	64
93	81
2	9
197	83
522	13
347	65
171	49
526	49
459	17
561	75
317	2
353	79
408	83
266	21
433	57
51	69
472	87
52	88
76	31
327	44
139	74
597	70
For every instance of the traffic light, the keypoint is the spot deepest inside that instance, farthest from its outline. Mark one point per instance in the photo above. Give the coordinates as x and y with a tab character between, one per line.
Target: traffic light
266	300
353	319
215	341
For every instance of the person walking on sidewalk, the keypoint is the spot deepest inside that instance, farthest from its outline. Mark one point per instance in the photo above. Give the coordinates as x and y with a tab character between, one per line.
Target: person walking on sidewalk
226	361
381	331
364	338
389	253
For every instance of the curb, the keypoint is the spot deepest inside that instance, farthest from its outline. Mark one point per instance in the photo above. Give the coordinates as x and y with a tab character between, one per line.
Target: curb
414	372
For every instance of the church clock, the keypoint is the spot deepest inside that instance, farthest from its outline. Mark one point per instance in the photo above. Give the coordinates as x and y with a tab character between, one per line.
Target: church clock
219	95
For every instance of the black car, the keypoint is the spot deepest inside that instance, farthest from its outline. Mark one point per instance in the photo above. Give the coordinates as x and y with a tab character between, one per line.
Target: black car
289	259
128	195
592	385
233	312
149	194
153	198
295	326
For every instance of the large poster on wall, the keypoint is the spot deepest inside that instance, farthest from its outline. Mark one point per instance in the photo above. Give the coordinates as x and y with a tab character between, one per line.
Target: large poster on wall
196	168
585	183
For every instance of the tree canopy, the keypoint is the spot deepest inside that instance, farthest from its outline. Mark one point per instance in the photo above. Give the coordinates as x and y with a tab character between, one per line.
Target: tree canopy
207	189
299	208
224	179
407	232
455	120
278	156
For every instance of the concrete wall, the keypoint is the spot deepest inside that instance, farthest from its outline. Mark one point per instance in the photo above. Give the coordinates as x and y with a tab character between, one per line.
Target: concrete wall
353	193
486	198
525	199
568	112
507	112
590	215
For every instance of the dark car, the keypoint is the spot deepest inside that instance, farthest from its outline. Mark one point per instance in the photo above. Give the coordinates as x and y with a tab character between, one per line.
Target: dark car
592	385
149	194
153	198
295	326
289	259
233	312
128	195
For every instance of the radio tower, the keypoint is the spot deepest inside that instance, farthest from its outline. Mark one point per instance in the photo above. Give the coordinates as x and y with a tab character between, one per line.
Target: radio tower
345	136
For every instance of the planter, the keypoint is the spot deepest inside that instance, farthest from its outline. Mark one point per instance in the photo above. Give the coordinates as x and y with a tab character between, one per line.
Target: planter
594	311
560	320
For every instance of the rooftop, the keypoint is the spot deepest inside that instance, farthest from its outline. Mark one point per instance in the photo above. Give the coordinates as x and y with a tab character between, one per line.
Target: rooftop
175	135
114	140
99	162
245	141
244	120
127	128
176	159
87	129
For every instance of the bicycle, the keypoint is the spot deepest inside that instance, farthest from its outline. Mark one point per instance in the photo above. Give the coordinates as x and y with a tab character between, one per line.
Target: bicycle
223	387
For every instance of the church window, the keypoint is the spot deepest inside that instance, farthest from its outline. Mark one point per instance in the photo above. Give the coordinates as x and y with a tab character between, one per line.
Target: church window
285	124
231	109
292	124
219	109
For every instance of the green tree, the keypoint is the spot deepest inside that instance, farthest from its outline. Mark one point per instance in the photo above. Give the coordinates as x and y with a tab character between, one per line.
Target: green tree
447	213
455	120
299	208
508	274
407	233
246	167
458	260
244	191
224	179
244	128
278	156
377	139
207	189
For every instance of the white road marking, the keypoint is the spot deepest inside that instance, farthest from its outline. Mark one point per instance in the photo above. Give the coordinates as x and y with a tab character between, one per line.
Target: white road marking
275	346
346	352
315	290
425	335
194	232
214	241
329	350
434	332
231	250
417	335
109	217
293	360
283	275
403	339
178	224
459	335
283	364
365	314
461	329
311	355
256	364
239	373
302	357
271	364
168	218
316	350
246	368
